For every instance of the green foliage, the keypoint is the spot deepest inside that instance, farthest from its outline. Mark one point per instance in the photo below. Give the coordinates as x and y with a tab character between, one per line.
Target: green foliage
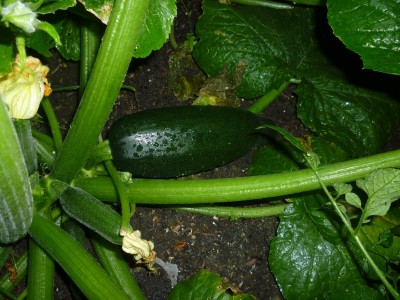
70	34
206	285
270	48
157	27
302	258
382	188
358	120
369	28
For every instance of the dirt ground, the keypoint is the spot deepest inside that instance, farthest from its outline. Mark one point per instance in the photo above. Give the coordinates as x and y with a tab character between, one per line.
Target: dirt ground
237	250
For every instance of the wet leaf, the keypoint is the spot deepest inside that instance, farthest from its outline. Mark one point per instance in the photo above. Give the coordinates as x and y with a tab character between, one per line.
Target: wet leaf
206	285
269	47
358	120
369	28
304	261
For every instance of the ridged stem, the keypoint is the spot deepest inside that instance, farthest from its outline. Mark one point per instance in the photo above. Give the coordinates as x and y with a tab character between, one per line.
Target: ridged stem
158	191
108	73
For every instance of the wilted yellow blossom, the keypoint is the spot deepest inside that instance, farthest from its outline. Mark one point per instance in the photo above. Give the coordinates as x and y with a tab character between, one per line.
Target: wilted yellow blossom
142	250
23	90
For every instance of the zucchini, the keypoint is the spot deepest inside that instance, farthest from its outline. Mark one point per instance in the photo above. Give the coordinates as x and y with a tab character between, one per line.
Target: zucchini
178	141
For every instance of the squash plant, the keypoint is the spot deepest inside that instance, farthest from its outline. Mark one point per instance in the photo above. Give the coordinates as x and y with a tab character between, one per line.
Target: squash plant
339	235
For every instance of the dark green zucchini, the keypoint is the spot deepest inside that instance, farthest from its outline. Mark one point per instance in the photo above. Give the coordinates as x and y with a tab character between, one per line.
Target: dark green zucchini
177	141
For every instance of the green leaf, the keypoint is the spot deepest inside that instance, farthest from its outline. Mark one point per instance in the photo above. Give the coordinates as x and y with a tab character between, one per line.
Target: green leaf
369	28
383	252
271	159
342	188
70	36
205	285
157	27
303	261
353	199
41	42
358	120
16	204
271	48
382	187
100	8
49	7
327	151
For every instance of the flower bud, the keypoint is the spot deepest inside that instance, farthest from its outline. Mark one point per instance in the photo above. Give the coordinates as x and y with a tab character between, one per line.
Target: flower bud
23	91
142	250
20	15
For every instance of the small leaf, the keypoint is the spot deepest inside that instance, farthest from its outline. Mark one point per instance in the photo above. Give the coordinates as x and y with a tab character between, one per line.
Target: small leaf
157	27
206	285
383	188
386	238
100	8
70	36
383	247
353	199
370	28
342	188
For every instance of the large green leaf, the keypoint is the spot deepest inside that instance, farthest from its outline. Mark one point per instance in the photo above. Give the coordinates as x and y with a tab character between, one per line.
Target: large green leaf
369	28
6	50
305	263
271	43
205	285
358	120
16	205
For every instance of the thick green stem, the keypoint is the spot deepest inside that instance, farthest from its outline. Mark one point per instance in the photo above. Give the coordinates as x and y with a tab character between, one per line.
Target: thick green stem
113	261
258	106
108	73
41	271
90	43
75	260
153	191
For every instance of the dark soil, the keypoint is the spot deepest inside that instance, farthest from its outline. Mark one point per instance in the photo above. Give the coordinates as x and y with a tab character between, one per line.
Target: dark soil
235	249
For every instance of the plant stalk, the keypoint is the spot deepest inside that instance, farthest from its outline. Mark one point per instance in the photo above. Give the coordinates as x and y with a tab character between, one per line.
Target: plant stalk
108	73
180	192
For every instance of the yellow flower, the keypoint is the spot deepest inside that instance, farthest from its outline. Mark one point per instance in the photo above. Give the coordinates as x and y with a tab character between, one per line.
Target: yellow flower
142	250
23	90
